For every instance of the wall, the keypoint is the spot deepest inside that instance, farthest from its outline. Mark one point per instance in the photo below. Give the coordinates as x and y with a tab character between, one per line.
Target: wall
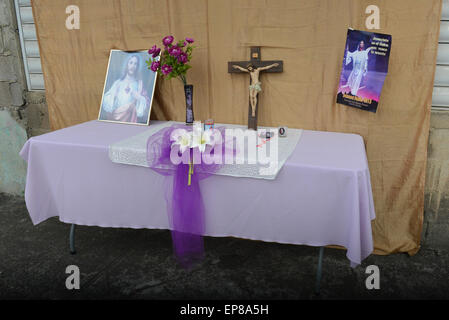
13	122
36	111
22	114
436	217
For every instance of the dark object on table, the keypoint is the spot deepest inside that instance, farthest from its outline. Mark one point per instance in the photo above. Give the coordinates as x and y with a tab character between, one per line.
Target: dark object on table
188	90
282	131
208	124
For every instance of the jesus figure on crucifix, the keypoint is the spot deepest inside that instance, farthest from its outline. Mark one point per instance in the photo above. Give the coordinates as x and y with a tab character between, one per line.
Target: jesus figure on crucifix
255	87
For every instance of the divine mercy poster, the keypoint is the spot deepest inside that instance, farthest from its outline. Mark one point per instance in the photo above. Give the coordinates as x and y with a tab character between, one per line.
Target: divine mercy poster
365	66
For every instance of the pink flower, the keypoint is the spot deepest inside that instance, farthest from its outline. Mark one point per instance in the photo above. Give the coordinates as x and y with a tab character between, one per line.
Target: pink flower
189	40
156	52
183	58
155	65
167	40
166	69
174	51
152	50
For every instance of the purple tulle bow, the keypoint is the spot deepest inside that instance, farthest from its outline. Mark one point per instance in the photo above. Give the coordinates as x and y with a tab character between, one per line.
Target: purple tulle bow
184	202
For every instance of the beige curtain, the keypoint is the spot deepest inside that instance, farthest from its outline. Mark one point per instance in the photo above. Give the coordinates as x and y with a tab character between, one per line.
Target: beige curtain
308	35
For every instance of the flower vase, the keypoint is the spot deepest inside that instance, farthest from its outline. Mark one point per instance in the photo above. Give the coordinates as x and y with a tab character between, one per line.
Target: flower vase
188	90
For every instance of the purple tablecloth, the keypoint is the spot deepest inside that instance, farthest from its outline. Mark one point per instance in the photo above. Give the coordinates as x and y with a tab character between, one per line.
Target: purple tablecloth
322	195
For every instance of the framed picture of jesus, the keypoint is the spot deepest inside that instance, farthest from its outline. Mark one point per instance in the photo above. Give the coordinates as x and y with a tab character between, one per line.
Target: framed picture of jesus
128	89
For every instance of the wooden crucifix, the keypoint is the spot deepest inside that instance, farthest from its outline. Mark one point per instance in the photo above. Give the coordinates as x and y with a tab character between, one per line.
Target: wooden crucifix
254	67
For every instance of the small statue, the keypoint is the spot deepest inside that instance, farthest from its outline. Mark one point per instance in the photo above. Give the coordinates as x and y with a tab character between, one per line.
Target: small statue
254	87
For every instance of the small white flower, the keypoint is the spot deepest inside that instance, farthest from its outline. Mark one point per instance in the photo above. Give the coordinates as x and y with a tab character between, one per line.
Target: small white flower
202	139
184	141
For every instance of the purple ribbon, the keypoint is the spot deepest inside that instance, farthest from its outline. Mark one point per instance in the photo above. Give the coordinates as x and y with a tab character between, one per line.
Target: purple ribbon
184	202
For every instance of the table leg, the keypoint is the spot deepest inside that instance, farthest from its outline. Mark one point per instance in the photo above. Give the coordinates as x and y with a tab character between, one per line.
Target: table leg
72	239
318	272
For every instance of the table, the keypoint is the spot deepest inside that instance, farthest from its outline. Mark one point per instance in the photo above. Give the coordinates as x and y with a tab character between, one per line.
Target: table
322	196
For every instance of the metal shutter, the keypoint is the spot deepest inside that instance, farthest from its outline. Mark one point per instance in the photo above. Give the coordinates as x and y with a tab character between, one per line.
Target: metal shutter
440	97
30	48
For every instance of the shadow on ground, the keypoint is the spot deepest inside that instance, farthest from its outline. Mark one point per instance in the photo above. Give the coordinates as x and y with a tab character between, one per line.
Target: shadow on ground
139	264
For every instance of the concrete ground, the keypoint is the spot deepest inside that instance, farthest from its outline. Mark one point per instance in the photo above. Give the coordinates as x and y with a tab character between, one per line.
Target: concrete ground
139	264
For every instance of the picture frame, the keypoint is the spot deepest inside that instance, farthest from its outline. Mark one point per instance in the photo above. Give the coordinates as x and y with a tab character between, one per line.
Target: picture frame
128	88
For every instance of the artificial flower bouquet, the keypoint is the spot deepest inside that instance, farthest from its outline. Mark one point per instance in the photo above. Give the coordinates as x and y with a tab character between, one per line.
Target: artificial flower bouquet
174	59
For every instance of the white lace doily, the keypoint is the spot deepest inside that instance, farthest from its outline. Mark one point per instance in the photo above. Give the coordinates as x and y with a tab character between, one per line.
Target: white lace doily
132	151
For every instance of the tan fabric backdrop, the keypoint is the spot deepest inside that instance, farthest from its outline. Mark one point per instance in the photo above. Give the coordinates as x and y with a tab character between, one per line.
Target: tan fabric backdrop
309	35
